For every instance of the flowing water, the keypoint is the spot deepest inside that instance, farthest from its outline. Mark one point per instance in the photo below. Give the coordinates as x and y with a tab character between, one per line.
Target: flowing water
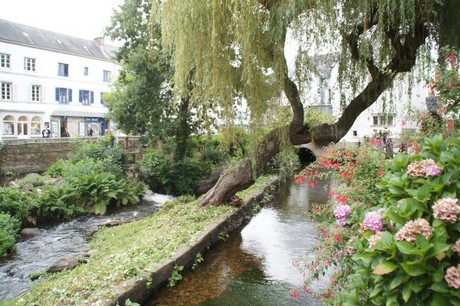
254	267
68	239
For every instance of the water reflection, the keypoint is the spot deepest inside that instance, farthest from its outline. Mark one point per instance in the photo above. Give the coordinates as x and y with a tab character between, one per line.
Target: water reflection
254	266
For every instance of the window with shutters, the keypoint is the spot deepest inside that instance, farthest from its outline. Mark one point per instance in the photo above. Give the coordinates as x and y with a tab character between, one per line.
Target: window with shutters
86	97
63	95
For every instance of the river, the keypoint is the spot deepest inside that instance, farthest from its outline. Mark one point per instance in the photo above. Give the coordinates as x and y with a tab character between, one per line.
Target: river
254	266
68	239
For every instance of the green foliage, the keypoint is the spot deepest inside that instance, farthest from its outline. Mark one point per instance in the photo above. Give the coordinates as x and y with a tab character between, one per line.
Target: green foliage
198	260
129	303
104	150
34	180
59	202
17	204
315	118
92	180
166	174
9	228
416	269
175	276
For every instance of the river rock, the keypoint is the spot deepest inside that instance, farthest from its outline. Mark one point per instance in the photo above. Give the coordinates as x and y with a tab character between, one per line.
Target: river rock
30	231
14	184
66	263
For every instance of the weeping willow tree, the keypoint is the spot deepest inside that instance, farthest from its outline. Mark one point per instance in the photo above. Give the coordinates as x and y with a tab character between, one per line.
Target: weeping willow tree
236	49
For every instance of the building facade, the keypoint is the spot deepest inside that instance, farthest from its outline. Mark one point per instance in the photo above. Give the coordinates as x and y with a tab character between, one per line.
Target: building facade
52	80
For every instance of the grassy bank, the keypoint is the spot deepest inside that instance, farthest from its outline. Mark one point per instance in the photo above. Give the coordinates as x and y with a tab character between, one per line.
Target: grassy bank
129	251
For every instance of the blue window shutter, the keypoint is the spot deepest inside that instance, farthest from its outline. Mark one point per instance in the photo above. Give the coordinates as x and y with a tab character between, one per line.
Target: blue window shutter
92	96
80	96
57	94
70	94
102	101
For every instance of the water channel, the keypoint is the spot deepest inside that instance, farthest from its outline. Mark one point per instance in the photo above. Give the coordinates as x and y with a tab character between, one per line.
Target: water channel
254	267
69	239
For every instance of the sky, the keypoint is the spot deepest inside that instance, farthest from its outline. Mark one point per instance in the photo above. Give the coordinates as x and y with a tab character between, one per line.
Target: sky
80	18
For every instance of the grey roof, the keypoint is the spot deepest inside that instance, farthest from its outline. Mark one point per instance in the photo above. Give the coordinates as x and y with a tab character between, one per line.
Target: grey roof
15	33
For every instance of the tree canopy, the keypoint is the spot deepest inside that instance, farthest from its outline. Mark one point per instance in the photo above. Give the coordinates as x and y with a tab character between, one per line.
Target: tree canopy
236	48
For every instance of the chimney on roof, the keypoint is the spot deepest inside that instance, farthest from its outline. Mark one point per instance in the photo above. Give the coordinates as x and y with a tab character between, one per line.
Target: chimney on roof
99	40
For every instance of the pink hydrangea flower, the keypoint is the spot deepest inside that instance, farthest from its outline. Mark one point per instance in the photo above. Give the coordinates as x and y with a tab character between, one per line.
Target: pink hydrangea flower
446	210
456	247
373	221
412	228
433	170
374	239
423	168
341	212
452	277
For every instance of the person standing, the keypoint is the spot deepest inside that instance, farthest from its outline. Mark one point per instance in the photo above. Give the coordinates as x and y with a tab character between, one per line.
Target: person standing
46	133
90	132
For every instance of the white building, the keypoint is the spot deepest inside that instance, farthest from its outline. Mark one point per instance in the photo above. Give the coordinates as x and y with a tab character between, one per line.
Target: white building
389	112
52	79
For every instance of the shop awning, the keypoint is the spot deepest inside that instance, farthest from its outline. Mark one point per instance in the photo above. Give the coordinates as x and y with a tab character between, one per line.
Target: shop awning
73	113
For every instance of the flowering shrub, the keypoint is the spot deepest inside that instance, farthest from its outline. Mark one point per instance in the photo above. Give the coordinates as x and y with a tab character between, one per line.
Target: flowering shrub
399	235
414	260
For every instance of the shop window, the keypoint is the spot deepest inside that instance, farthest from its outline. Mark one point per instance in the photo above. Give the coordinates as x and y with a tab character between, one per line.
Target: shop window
8	125
35	126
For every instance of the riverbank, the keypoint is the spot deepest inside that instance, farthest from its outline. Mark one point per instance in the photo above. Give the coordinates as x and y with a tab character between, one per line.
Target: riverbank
131	261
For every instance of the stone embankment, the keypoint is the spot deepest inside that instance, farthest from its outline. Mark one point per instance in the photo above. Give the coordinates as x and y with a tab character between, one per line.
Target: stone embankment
23	156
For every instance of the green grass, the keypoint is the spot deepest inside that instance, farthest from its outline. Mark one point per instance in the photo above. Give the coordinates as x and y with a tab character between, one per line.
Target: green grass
127	252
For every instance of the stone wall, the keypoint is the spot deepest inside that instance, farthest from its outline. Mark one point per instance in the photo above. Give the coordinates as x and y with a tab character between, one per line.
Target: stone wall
22	156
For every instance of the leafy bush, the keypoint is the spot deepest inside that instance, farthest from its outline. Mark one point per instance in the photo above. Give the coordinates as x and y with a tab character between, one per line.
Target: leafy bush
17	204
59	202
406	245
9	228
34	180
103	150
176	177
